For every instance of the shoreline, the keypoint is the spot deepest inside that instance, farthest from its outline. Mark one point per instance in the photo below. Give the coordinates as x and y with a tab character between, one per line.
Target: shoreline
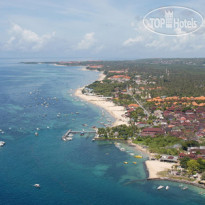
152	166
118	112
140	148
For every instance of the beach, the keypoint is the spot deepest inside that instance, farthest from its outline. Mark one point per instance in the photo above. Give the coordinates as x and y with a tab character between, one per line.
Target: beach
154	167
118	112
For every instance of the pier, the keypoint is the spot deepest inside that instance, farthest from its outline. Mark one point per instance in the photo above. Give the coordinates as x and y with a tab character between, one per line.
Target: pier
66	136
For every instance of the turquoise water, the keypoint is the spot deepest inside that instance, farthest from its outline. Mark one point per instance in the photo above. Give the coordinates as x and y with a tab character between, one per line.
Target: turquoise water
77	172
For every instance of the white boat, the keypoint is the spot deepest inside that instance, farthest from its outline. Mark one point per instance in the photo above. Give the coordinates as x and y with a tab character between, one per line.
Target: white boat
160	187
36	133
37	185
167	187
2	143
184	188
69	138
122	149
70	135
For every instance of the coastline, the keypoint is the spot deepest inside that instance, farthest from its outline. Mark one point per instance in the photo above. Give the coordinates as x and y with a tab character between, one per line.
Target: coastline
154	167
140	148
118	112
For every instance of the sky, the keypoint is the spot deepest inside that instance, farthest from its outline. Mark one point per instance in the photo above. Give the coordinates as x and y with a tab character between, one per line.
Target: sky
92	29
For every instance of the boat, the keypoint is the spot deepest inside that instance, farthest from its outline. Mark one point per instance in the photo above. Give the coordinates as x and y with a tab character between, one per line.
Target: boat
138	156
37	185
68	138
185	188
167	187
70	135
125	162
122	149
36	133
160	187
134	162
2	143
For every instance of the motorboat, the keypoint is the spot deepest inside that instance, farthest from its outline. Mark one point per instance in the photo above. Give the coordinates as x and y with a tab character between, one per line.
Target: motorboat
37	185
2	143
160	187
167	187
138	156
69	138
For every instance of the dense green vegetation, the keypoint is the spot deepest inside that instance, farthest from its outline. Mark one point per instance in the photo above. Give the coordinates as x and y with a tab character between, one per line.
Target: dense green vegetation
160	144
190	143
123	99
193	166
177	77
107	88
121	132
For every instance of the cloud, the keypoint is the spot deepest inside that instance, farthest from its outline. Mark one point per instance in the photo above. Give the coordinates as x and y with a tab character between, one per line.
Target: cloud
87	42
148	39
26	40
132	41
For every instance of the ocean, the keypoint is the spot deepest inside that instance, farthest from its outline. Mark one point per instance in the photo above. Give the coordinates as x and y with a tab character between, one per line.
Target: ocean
40	98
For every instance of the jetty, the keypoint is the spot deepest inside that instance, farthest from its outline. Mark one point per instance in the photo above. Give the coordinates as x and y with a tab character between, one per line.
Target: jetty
67	135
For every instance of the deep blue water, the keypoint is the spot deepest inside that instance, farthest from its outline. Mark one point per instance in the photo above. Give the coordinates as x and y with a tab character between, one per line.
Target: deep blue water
77	172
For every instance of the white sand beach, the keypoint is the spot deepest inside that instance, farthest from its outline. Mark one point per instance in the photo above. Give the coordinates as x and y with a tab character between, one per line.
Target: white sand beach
154	167
118	112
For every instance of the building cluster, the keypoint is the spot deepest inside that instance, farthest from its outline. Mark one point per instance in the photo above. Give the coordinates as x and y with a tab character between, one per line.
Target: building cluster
119	78
194	152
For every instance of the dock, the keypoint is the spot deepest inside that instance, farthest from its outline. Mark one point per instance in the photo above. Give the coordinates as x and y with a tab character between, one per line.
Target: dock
66	136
